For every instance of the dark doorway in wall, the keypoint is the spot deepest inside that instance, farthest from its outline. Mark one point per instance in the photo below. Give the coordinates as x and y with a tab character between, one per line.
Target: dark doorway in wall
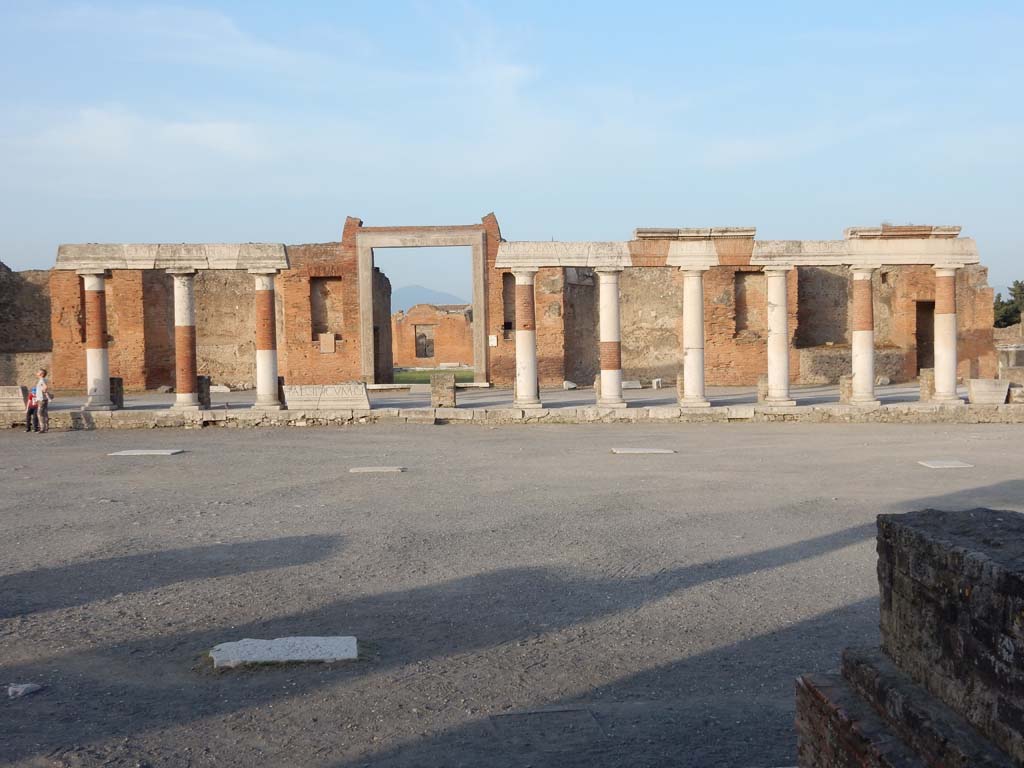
925	335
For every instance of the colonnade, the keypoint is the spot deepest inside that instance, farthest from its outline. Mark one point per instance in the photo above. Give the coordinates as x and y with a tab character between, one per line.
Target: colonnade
778	347
97	354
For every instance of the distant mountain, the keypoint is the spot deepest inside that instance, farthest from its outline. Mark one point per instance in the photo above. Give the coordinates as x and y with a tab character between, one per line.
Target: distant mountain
410	295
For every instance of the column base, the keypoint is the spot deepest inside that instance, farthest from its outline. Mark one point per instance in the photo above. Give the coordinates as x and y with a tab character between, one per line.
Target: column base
954	400
778	403
268	407
612	404
99	407
185	407
684	403
528	406
865	403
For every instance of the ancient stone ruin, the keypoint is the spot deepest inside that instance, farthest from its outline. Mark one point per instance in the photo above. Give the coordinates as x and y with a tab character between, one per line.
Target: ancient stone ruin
709	306
946	688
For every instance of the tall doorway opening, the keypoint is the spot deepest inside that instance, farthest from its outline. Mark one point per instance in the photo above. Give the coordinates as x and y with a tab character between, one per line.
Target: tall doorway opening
924	335
437	313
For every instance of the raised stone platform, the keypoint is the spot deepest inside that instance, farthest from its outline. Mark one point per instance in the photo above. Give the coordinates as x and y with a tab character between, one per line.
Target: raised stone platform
947	687
899	413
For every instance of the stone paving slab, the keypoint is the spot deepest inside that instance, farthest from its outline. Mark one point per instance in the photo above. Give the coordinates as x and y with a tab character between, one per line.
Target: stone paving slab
284	650
945	464
149	452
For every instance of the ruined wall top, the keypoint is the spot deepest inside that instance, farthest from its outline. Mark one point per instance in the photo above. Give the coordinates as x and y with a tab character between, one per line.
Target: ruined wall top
103	256
705	247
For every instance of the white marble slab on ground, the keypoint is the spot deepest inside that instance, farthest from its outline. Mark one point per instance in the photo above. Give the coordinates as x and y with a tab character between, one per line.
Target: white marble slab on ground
149	452
283	650
362	470
631	451
945	464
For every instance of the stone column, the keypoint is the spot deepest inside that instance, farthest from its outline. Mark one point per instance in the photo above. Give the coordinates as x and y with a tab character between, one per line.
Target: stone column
945	335
526	394
610	335
693	340
863	338
266	342
778	336
185	395
97	357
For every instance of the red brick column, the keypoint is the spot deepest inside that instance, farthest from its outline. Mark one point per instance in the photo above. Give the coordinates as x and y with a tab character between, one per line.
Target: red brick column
527	394
945	335
185	367
266	342
863	346
97	356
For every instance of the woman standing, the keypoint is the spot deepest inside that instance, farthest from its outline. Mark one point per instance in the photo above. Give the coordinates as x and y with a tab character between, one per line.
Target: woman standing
43	399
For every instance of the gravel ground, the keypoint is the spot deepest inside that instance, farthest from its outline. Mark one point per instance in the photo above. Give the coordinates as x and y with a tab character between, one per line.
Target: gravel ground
522	597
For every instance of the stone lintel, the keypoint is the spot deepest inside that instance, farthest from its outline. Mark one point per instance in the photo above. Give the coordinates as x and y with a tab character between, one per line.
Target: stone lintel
536	254
103	256
902	232
693	233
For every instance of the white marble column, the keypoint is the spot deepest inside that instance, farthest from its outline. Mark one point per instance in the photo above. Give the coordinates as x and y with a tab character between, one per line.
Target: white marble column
526	392
778	336
266	342
97	356
945	335
693	340
863	338
610	339
185	365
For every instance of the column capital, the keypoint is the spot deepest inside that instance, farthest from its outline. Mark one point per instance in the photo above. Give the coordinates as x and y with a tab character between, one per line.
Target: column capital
182	271
863	272
93	272
525	276
700	270
608	270
777	268
263	271
946	270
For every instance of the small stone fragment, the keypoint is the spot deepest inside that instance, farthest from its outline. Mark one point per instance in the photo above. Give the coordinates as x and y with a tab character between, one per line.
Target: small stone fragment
283	650
17	690
165	389
568	384
632	385
945	464
149	452
362	470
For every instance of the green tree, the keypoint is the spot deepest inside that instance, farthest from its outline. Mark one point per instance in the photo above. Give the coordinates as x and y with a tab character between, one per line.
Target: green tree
1008	311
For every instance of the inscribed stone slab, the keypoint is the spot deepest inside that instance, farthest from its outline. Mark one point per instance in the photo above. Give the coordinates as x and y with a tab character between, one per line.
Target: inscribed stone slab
282	650
945	464
326	396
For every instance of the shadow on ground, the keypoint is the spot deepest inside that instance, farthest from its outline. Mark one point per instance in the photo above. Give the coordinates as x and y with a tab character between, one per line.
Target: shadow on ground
46	589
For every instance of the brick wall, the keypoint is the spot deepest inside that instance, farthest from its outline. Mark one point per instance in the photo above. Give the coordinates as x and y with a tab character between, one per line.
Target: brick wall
453	335
581	325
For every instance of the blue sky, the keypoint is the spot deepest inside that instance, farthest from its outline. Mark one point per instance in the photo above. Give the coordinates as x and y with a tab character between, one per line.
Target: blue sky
570	120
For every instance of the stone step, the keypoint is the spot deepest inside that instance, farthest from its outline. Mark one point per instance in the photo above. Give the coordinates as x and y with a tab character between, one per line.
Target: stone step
836	728
934	731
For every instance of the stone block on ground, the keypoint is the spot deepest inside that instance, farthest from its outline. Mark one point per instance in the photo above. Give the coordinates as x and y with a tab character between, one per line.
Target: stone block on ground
442	390
326	396
17	690
375	470
633	384
221	388
1012	373
148	452
14	400
926	379
987	391
117	391
762	388
656	384
846	388
568	384
1016	395
284	650
203	390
